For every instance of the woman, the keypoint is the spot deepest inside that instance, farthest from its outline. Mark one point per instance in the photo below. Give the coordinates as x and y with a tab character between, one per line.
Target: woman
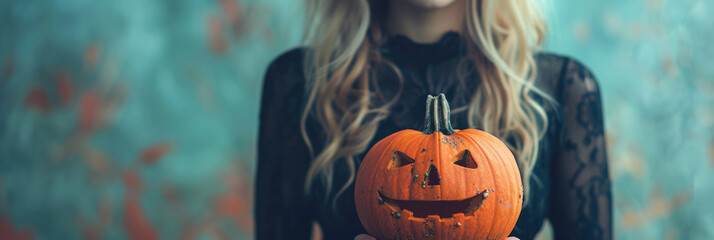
366	70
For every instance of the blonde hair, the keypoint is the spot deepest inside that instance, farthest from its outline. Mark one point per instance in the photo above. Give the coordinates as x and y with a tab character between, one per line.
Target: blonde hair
342	59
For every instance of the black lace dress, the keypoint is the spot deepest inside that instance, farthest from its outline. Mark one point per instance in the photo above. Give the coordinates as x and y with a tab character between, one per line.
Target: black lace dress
570	186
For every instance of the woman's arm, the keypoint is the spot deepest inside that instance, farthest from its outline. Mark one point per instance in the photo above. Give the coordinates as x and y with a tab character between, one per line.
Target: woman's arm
282	210
581	200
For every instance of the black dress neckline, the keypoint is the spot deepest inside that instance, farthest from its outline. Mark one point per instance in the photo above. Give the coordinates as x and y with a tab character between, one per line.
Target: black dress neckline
451	45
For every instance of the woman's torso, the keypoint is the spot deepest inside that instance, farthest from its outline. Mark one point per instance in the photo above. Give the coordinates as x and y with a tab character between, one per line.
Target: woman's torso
433	69
426	69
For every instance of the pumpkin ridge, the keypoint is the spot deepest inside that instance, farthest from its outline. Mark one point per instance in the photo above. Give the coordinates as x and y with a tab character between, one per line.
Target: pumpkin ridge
513	179
500	228
423	139
438	149
406	134
495	181
491	144
389	142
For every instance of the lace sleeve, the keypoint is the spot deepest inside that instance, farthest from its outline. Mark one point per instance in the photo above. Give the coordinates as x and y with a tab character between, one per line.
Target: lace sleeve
581	198
282	211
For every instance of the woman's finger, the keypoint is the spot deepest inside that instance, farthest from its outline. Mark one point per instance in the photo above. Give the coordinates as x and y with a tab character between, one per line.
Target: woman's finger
364	237
368	237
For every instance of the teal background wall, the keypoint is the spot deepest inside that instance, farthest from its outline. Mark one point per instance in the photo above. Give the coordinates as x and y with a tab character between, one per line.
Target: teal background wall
138	119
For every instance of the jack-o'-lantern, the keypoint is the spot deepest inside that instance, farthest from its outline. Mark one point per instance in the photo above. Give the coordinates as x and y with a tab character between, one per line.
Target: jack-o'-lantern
439	183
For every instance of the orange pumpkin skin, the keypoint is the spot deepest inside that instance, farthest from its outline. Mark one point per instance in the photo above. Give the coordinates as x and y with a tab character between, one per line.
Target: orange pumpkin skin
441	184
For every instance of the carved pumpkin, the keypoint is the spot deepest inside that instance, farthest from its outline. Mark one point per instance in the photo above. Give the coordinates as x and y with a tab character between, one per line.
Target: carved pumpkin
439	183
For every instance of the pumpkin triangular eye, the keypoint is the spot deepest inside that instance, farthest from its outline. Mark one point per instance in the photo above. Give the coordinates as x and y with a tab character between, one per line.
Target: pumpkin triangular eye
465	159
399	159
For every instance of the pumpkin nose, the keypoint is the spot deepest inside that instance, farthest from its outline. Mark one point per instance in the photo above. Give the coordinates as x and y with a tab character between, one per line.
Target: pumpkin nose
433	174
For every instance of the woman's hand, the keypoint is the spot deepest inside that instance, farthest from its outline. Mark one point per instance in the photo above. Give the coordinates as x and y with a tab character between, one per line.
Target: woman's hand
368	237
364	237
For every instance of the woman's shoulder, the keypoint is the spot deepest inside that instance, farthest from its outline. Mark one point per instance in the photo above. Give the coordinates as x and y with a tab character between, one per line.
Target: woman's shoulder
284	83
284	73
288	62
557	73
554	63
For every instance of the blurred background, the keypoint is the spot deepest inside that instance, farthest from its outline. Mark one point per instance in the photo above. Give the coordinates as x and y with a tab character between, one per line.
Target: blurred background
138	119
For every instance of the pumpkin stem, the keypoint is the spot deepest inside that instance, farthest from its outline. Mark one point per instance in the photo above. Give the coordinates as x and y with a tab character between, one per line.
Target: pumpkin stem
438	118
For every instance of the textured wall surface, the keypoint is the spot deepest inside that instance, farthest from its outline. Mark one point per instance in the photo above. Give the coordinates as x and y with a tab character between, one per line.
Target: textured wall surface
137	119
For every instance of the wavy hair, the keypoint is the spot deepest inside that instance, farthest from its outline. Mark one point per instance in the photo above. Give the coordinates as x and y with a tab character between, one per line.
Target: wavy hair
342	60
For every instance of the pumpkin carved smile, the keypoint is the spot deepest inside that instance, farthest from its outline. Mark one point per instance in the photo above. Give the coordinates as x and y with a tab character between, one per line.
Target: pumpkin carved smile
418	210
